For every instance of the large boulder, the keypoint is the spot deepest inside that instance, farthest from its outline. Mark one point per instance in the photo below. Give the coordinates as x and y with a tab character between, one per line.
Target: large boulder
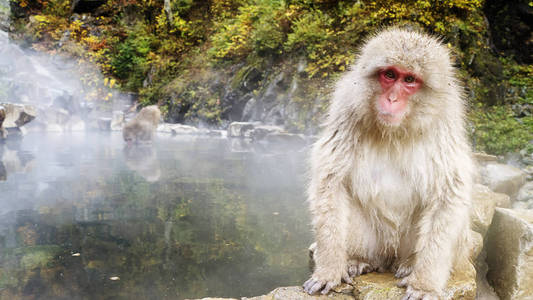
240	129
296	293
117	120
261	131
503	178
178	129
510	254
3	132
372	286
484	201
17	115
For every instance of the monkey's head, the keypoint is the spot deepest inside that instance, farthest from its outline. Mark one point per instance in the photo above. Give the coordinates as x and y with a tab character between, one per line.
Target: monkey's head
409	73
128	133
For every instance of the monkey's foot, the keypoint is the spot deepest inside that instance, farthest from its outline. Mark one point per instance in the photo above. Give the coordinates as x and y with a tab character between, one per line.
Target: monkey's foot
412	293
357	267
315	284
403	270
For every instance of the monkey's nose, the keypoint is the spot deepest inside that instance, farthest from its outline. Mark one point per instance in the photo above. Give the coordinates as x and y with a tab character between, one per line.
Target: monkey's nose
392	98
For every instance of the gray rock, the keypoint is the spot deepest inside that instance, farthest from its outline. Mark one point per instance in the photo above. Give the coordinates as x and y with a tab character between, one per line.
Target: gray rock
503	178
178	129
526	192
239	129
117	120
164	128
261	131
510	254
483	205
483	158
514	159
372	286
296	293
529	172
17	115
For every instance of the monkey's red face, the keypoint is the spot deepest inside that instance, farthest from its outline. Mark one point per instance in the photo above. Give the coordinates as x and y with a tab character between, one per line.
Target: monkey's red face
397	85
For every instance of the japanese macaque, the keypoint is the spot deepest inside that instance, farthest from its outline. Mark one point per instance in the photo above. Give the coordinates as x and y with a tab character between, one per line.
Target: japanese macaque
142	127
391	173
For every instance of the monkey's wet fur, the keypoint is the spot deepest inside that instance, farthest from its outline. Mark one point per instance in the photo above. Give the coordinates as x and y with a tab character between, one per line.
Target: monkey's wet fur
141	128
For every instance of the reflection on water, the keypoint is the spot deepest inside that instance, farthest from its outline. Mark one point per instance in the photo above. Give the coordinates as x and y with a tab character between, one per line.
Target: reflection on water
81	217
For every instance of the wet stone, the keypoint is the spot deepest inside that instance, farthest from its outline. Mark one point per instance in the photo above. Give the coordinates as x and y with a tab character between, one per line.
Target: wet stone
239	129
17	115
484	201
510	253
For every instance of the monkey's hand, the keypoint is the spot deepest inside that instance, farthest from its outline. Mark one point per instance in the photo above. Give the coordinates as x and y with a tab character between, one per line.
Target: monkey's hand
414	292
403	270
324	283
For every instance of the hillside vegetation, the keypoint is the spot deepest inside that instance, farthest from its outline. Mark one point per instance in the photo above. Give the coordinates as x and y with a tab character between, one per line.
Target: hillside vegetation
215	61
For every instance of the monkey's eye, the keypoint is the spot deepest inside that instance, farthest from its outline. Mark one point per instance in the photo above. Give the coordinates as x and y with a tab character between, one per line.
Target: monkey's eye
409	79
389	74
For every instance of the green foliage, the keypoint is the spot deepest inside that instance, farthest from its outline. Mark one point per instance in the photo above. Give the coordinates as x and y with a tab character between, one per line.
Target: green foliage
497	131
181	7
133	40
59	8
131	62
520	78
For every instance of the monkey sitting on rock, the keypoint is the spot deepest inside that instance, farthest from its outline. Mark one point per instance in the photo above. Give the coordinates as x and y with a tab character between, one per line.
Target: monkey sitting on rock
391	174
141	128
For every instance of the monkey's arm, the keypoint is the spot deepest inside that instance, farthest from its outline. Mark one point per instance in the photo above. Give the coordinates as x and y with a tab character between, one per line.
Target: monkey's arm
442	229
329	201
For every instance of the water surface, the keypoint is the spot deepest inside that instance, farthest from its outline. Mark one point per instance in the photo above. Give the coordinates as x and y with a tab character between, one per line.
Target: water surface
82	217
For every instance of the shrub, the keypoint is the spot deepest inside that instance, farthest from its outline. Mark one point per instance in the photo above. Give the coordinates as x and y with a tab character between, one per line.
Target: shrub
497	131
130	61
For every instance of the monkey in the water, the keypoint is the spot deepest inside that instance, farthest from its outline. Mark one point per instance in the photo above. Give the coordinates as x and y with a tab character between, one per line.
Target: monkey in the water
142	127
391	173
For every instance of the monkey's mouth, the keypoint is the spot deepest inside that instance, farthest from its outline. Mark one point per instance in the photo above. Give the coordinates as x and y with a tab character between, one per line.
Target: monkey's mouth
389	119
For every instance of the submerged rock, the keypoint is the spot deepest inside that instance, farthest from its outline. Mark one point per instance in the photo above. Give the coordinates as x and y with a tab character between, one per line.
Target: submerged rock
510	254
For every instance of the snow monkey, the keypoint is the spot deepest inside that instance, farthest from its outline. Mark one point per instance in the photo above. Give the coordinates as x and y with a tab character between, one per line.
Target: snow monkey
391	173
142	127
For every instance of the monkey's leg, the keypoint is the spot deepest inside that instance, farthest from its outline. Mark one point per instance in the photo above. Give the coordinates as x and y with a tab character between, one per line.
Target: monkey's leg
363	244
439	230
403	265
330	210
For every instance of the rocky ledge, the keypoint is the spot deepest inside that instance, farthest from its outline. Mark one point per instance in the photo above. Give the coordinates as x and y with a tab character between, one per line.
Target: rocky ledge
372	286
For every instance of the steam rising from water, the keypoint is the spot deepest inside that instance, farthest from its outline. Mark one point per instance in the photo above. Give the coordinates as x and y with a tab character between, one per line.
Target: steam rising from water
215	222
55	82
